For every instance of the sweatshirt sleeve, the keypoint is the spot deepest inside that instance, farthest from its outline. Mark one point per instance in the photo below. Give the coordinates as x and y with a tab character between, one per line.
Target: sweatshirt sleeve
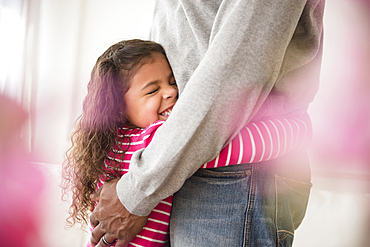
243	61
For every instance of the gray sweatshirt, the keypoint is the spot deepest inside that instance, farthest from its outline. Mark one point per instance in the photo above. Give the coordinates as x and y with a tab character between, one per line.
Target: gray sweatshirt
234	62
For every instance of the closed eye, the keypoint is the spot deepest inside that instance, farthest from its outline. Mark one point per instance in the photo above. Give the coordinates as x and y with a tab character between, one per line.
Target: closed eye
152	92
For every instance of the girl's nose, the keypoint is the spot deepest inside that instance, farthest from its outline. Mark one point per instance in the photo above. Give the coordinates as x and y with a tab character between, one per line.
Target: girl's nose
170	92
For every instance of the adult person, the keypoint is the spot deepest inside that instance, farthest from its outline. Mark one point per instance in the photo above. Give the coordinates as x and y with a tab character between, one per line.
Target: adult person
235	62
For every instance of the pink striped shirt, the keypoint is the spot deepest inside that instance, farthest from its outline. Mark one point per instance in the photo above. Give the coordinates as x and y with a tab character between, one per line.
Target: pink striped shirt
260	141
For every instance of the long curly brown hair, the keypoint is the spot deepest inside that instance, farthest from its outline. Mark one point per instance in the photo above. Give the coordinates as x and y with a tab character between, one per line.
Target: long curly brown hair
103	113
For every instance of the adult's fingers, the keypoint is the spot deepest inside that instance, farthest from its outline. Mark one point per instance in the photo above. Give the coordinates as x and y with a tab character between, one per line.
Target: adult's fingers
109	240
110	217
93	219
96	195
96	236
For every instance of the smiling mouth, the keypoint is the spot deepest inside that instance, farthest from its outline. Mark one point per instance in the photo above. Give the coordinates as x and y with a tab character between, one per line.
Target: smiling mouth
166	112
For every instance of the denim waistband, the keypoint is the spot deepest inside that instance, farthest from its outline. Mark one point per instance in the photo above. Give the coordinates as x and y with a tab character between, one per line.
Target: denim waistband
231	168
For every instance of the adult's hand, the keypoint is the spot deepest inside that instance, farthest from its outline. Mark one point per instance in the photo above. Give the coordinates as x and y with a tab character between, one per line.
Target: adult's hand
111	219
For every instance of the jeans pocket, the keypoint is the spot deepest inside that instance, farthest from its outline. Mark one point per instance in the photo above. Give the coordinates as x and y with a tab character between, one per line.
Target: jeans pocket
291	204
210	208
233	171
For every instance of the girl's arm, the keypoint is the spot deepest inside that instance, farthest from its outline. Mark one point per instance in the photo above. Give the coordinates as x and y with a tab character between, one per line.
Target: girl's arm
263	140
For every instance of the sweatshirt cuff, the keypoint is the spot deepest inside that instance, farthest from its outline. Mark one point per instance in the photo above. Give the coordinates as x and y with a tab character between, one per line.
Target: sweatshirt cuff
135	201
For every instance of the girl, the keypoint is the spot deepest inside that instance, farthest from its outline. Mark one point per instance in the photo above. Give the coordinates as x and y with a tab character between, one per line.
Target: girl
132	91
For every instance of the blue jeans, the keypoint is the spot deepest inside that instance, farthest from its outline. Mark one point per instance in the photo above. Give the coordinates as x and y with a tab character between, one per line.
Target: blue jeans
241	205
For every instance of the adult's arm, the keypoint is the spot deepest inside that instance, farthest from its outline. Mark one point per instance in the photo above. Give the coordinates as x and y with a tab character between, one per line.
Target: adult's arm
245	58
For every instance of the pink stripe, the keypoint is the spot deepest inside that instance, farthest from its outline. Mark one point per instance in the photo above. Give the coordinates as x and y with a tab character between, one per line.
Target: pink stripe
253	146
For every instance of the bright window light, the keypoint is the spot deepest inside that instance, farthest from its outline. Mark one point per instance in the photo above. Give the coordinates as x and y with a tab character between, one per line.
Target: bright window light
12	33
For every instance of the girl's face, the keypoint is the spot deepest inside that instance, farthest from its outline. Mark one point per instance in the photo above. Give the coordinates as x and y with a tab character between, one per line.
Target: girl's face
152	94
